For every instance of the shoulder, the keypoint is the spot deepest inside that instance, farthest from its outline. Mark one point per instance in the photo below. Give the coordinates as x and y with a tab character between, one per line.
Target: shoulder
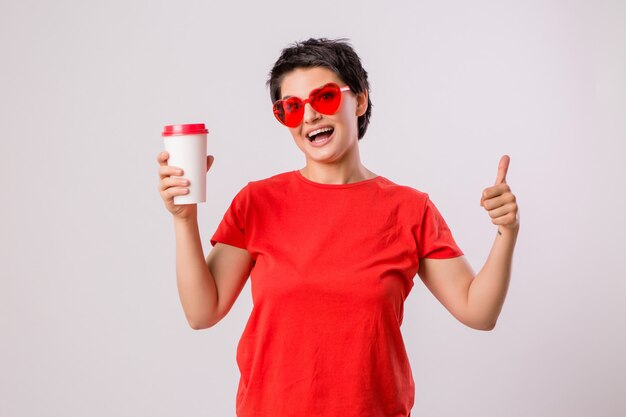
266	189
258	191
276	179
403	192
273	182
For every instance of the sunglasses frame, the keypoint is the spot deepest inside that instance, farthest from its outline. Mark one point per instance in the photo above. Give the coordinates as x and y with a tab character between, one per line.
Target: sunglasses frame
308	100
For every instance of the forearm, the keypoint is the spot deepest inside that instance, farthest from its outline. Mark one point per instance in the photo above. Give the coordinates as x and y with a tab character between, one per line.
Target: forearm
196	286
488	289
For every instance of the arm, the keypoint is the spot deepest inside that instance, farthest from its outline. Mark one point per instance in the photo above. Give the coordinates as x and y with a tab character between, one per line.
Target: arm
225	272
488	290
477	300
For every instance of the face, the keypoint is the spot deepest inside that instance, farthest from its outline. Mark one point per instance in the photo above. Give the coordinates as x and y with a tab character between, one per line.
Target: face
343	138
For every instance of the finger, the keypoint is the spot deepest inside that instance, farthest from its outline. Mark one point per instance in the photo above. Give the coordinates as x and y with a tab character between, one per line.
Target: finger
503	167
171	192
168	171
502	210
162	158
499	201
495	191
508	220
168	182
209	162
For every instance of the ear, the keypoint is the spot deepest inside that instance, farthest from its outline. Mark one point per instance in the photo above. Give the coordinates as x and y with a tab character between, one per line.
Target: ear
361	103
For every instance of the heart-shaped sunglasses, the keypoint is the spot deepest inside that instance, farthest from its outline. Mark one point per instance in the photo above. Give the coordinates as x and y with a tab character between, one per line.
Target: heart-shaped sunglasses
326	100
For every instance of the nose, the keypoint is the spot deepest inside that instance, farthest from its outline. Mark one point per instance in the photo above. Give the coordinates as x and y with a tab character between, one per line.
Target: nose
310	115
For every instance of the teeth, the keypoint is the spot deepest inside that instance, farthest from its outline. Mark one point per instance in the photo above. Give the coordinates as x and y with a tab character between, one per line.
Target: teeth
318	131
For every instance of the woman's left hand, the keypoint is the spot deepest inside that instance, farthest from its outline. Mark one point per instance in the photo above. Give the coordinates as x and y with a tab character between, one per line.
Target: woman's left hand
499	201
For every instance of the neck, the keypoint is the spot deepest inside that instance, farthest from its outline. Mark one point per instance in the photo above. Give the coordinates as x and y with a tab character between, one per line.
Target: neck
346	171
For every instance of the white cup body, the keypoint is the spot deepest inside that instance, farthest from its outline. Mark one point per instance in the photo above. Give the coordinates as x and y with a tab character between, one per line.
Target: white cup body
189	152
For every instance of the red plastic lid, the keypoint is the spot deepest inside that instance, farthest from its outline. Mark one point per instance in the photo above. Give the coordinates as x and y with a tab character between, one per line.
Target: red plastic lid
188	129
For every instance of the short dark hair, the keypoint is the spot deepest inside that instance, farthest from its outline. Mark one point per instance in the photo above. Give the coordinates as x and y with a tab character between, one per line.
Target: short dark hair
334	54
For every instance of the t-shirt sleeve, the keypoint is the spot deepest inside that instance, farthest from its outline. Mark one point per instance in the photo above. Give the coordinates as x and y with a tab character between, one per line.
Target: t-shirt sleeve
232	228
434	238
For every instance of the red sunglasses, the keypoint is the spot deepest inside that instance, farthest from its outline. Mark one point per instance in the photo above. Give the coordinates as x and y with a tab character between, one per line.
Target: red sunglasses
325	100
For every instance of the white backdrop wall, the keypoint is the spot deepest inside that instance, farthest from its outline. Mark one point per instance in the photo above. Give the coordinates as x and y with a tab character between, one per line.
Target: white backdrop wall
90	316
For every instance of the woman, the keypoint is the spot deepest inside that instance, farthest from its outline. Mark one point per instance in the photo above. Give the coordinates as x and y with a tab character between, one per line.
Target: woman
332	250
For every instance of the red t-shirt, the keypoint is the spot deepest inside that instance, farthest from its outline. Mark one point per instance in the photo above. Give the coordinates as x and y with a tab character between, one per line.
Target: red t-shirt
333	266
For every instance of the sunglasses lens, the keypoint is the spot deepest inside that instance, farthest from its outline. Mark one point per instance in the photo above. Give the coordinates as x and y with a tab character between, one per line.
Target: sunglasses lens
289	112
326	100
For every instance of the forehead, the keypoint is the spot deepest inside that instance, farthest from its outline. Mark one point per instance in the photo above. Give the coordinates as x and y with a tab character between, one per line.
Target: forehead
301	81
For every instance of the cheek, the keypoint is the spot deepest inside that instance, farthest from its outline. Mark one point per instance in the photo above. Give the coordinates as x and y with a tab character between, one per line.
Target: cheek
295	133
348	108
348	117
297	139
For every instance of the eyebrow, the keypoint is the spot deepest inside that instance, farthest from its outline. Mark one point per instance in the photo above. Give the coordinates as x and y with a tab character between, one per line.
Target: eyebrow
282	98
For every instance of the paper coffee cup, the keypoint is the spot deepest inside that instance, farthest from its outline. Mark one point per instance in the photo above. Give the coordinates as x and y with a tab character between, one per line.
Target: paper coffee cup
187	146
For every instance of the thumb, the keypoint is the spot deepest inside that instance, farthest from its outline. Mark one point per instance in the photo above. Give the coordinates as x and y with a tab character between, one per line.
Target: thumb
503	167
209	162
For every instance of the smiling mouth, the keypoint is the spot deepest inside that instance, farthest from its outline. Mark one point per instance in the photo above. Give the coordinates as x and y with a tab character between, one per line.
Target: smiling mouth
320	134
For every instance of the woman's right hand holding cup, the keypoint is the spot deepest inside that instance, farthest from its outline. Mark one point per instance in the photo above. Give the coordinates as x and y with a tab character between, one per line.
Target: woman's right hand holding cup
172	186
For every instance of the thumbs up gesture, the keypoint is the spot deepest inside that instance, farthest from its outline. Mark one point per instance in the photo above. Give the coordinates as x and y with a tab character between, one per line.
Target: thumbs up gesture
499	201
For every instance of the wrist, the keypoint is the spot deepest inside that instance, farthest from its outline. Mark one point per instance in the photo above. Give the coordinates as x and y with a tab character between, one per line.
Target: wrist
508	230
185	220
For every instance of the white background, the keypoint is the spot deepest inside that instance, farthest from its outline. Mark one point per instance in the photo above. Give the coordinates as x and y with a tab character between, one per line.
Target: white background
90	319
